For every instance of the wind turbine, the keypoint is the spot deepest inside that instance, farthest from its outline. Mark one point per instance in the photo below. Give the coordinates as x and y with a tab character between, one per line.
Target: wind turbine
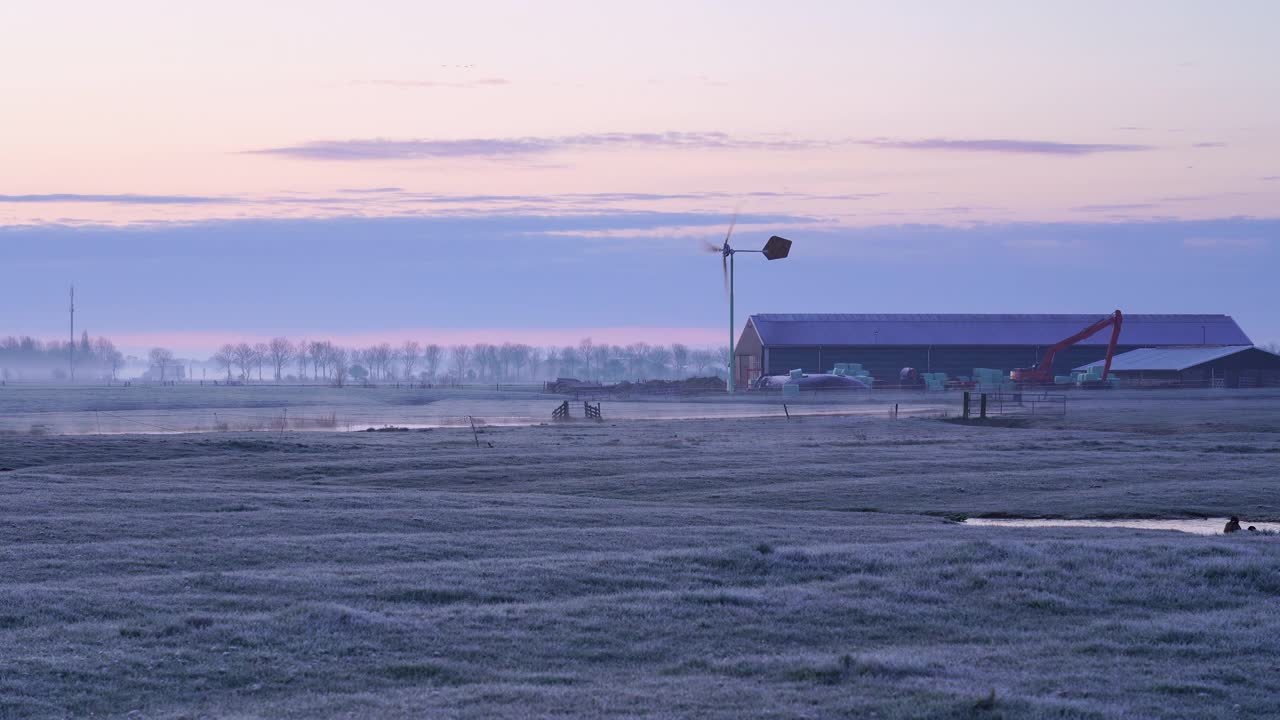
775	249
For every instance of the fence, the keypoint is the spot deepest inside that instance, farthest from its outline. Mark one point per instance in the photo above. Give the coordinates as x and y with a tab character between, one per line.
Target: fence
1018	402
561	412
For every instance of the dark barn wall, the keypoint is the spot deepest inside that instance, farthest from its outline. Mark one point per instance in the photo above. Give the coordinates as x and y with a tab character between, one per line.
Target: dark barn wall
885	361
1245	369
1251	359
1248	368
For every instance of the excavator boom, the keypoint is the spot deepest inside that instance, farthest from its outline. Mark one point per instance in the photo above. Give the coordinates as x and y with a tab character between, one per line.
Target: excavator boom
1043	372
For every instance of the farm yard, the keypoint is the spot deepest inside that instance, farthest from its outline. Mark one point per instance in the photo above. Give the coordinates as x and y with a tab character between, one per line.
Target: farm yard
722	561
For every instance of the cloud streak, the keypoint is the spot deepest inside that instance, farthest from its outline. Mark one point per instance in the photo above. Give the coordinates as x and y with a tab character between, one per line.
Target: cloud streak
377	201
430	84
1115	207
587	199
1008	146
121	199
355	150
425	149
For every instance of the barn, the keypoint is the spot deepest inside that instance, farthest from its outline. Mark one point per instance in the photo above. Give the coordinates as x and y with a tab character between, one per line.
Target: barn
1230	366
773	344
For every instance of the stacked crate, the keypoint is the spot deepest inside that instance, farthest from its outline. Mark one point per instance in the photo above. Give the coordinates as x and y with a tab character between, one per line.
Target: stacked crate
853	370
934	381
991	380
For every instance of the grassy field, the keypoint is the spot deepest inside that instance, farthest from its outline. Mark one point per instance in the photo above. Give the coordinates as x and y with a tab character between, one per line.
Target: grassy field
722	568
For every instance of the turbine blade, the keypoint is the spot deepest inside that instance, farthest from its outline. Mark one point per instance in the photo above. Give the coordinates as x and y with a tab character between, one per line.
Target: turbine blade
724	266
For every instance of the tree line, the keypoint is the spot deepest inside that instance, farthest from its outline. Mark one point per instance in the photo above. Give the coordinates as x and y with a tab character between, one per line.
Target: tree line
283	359
91	358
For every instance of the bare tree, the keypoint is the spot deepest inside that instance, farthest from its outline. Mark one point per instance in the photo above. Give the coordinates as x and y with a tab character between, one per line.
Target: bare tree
658	361
410	353
161	357
280	350
599	358
551	356
319	351
569	361
301	354
513	357
702	359
432	354
585	356
533	358
225	358
260	353
378	358
483	358
108	354
357	358
635	355
461	355
680	358
340	362
244	357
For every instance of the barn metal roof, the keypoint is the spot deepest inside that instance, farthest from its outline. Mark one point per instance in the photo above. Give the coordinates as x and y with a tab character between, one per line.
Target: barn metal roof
1177	359
965	329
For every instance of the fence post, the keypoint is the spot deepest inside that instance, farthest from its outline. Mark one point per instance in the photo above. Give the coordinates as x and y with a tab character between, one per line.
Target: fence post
983	406
966	405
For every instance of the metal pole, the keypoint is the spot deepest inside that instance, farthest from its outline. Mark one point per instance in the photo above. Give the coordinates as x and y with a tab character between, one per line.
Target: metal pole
732	359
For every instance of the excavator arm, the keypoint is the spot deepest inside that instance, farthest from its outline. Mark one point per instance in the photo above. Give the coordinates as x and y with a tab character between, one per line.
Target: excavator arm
1044	371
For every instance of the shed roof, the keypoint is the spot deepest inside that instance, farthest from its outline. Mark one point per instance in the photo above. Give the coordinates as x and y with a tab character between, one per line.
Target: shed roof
997	329
1173	358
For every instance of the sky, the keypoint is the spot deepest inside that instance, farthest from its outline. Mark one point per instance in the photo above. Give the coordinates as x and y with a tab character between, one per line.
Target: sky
549	171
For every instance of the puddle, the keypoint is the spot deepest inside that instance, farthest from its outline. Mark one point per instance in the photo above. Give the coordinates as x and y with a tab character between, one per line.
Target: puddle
1201	526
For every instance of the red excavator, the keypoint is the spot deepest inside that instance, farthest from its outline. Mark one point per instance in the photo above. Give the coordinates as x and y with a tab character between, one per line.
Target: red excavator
1043	373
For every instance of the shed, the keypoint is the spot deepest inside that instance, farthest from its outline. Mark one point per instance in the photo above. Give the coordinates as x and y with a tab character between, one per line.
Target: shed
1234	366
